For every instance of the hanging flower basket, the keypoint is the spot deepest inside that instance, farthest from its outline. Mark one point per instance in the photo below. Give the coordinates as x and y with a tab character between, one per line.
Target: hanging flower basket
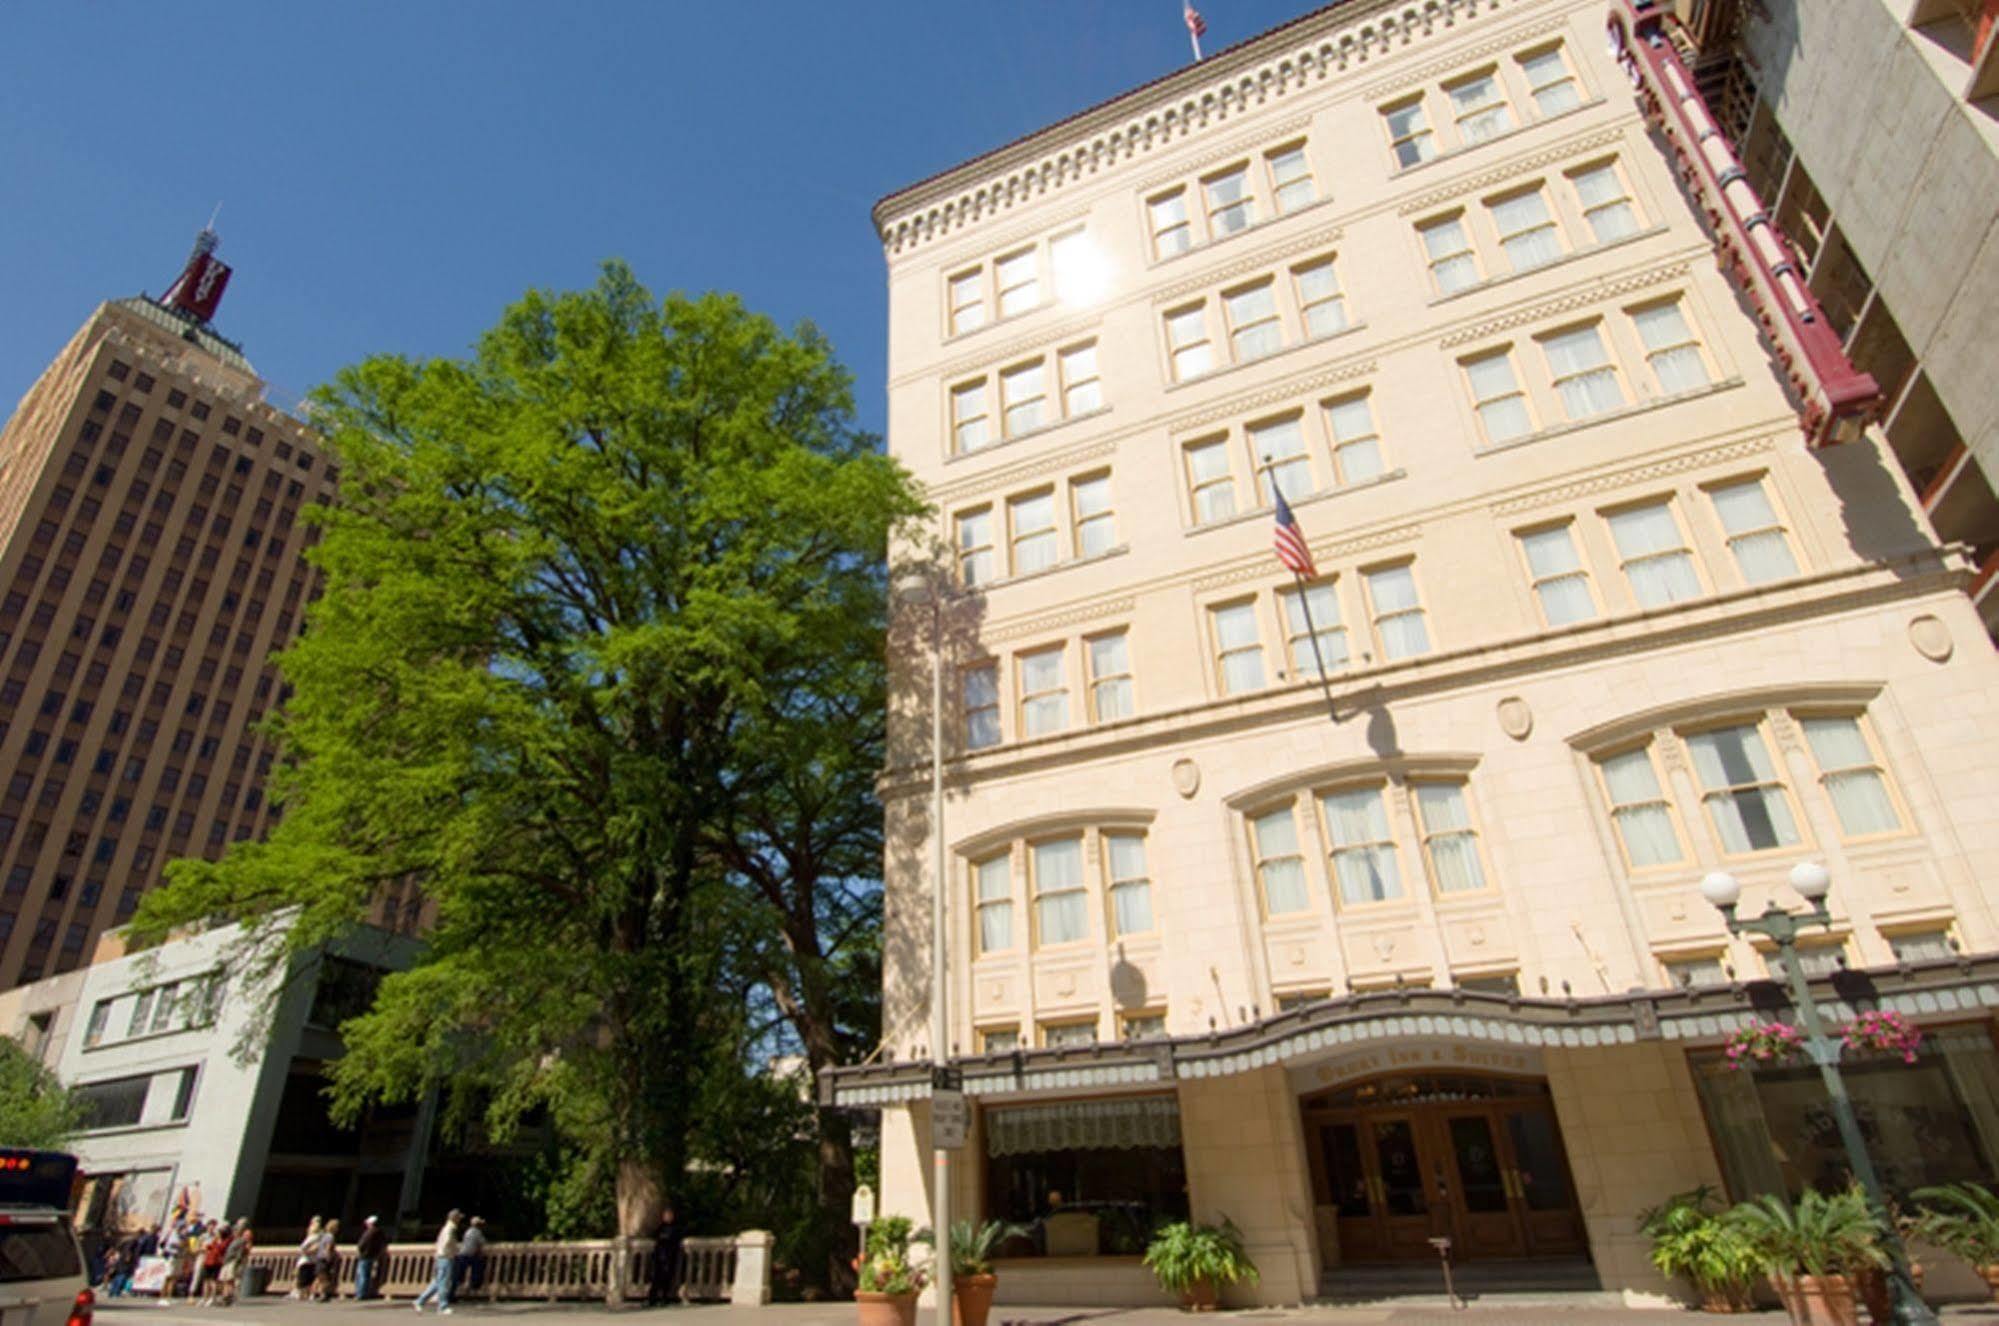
1884	1033
1765	1043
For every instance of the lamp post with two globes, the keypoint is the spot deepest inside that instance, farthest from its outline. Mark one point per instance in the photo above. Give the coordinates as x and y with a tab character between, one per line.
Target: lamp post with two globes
1782	928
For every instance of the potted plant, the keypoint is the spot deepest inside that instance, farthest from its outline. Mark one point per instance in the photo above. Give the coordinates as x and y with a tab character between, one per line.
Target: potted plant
1764	1043
1691	1236
1197	1261
973	1283
1813	1250
889	1284
1963	1218
1883	1032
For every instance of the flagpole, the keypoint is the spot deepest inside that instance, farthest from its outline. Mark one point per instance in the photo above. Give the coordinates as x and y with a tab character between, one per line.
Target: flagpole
1195	42
1325	682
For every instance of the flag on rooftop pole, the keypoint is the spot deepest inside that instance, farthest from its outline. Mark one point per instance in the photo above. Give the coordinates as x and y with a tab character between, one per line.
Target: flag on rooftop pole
1196	25
1296	555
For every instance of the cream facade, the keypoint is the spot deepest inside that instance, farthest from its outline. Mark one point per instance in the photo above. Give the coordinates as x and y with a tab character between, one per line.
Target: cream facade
1593	622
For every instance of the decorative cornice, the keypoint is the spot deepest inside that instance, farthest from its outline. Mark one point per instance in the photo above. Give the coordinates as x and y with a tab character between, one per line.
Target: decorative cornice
1512	170
1576	299
991	356
1249	262
1052	463
1058	621
1421	75
1249	402
1235	147
1603	482
1258	567
1042	226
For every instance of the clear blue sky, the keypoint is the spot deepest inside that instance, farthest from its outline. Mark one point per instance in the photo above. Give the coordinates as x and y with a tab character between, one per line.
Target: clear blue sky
394	172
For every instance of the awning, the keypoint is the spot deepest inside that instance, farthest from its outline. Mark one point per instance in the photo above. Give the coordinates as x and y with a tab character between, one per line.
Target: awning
1084	1125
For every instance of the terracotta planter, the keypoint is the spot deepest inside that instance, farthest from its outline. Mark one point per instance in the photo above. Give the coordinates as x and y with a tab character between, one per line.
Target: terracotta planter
884	1309
972	1298
1201	1296
1730	1298
1872	1286
1787	1294
1827	1300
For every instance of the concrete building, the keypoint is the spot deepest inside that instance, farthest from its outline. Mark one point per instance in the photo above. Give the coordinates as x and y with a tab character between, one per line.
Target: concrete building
150	562
1594	618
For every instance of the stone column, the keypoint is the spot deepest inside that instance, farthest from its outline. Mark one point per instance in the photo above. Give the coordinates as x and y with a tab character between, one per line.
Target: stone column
751	1287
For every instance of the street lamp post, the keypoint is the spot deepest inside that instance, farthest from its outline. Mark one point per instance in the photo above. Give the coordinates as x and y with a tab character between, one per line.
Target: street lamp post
1813	882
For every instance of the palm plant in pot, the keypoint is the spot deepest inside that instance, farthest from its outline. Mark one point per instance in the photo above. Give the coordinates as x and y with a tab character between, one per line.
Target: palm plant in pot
973	1246
1814	1251
1198	1261
1692	1236
1963	1218
889	1284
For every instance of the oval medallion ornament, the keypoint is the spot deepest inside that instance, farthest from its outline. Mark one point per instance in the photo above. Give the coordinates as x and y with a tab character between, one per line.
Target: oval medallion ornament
1930	637
1186	777
1516	720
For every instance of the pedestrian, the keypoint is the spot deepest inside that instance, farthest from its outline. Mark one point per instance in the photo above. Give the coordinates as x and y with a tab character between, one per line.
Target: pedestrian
663	1289
176	1247
449	1240
214	1243
235	1259
303	1273
326	1264
469	1273
368	1251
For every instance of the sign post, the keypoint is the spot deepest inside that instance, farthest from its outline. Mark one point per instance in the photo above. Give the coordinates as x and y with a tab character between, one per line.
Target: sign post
864	1214
949	1118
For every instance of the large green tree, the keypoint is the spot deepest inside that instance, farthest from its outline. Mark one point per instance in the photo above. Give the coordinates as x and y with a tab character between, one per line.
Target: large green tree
35	1109
576	591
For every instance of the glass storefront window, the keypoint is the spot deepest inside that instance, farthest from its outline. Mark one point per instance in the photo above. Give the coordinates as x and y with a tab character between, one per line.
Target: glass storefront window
1086	1178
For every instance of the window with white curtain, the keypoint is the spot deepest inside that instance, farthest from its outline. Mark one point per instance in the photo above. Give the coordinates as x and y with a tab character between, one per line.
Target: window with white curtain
1290	177
1018	276
1852	776
1023	394
1697	973
1082	390
1356	446
1447	244
1071	259
1398	613
1741	789
1230	207
1921	945
1606	203
1061	904
1561	585
1238	650
1526	230
1210	480
1409	133
1130	886
1320	303
1755	536
1254	330
993	879
970	428
1110	677
977	561
1172	231
1584	377
1187	341
999	1040
1057	1034
968	300
1502	406
1639	809
1479	108
1449	841
1044	693
1670	347
1090	507
1280	869
1654	555
1032	517
1278	446
982	706
1363	853
1314	612
1548	76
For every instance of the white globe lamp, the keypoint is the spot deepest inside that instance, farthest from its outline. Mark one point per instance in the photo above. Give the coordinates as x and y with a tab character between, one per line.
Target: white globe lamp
1721	889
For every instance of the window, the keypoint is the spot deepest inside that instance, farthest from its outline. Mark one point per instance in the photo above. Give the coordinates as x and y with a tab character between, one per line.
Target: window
1553	86
1449	841
1744	797
1230	207
1505	984
976	559
1479	108
1061	910
1031	519
1639	809
1278	446
100	1016
994	880
1290	177
999	1040
982	707
969	425
1072	260
968	300
1210	480
1670	347
1018	278
1852	776
1172	232
1082	391
1110	677
1130	887
119	1103
1023	391
1922	945
1754	535
1238	652
1254	330
1187	342
1144	1026
1695	973
1605	203
1044	695
1398	614
1293	1000
1312	629
1814	959
1409	133
1448	246
1363	850
1280	870
1654	555
1090	508
1526	230
1356	446
1582	371
1560	583
1321	305
1057	1034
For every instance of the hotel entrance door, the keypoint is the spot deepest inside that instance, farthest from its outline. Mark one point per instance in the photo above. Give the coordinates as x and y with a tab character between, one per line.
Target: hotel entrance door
1398	1161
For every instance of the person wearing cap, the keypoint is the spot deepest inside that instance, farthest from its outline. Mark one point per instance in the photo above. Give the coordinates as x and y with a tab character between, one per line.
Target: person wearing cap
448	1243
470	1273
368	1252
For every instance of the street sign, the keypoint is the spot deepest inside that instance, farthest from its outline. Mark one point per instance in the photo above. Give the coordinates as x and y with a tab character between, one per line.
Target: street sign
864	1205
948	1120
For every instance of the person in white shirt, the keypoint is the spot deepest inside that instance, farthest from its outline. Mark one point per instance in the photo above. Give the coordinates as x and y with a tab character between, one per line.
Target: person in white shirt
447	1260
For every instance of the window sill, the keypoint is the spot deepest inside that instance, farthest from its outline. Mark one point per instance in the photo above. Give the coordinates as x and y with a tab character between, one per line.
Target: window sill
1573	255
1270	358
1465	149
1066	564
1264	512
1607	416
1253	228
1028	436
952	338
147	1036
133	1129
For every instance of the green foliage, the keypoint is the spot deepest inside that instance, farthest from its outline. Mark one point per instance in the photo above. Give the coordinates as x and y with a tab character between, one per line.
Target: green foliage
974	1243
36	1110
1961	1218
1183	1255
1692	1236
885	1265
1820	1234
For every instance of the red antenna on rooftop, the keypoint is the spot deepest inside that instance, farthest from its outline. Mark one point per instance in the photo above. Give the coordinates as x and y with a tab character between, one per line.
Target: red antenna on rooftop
197	291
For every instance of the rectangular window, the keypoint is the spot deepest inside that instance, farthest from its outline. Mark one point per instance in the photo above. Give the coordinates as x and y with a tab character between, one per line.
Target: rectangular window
1070	257
1238	651
1254	330
1409	133
999	1040
1187	342
1670	347
1363	851
1744	797
970	428
1695	973
1082	391
977	562
1639	809
982	707
1320	303
1279	867
1356	446
1398	614
1290	177
1605	202
1278	446
1023	393
1526	230
1032	522
1479	108
1019	281
1755	536
1172	232
1654	555
968	300
1090	508
1057	1034
1131	888
1110	677
142	1013
100	1017
119	1103
1852	776
1553	86
1447	244
1144	1026
1584	377
994	879
1061	907
1449	841
1561	585
1922	945
1044	694
1309	615
1210	480
1230	207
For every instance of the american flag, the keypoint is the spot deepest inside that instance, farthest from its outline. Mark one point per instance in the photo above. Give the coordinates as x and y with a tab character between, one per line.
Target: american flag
1290	542
1196	25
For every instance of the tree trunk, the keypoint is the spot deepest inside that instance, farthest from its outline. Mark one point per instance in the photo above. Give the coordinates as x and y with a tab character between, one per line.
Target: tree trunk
836	1199
639	1197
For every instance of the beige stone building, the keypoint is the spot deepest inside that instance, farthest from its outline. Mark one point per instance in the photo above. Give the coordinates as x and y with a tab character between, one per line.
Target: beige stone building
1594	621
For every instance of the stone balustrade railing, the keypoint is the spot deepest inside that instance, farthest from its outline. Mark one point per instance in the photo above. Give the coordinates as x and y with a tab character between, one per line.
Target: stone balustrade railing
735	1270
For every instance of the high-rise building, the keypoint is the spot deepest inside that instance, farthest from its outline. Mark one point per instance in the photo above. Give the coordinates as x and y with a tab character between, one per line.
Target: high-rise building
1361	906
150	562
